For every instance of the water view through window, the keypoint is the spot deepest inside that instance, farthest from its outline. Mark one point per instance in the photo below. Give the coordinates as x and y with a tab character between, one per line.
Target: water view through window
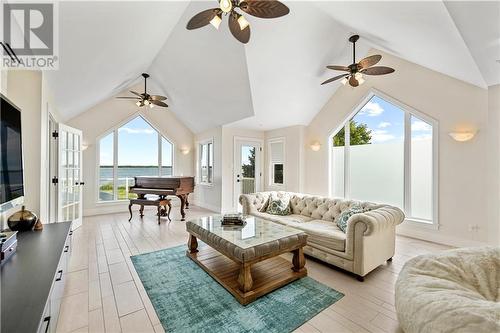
139	150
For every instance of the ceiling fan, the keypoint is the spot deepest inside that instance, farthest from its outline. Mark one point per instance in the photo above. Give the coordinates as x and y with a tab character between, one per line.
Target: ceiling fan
238	25
146	99
356	70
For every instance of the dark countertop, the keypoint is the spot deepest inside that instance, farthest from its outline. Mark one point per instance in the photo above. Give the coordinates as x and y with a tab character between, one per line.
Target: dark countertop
28	275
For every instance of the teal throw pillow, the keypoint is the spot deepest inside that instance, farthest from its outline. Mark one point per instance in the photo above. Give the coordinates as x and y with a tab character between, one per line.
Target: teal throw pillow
346	215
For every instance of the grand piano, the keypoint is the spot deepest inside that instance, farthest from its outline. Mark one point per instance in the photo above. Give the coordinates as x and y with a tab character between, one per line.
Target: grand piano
180	187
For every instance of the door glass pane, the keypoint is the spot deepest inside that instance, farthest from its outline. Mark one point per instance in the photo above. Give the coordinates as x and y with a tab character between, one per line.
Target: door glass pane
210	162
421	169
166	157
377	153
248	169
338	149
106	168
204	163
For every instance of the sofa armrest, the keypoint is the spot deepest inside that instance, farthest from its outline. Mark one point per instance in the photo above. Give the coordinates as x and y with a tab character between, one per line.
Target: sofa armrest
254	202
376	220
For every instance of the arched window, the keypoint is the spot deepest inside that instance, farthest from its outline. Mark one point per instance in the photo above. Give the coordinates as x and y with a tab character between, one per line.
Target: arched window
386	152
133	149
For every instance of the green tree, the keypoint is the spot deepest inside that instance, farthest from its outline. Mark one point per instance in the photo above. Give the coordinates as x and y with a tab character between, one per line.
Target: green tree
249	169
360	135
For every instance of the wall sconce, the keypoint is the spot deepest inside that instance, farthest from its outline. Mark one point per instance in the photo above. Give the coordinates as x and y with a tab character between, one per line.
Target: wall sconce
462	136
315	146
185	151
85	146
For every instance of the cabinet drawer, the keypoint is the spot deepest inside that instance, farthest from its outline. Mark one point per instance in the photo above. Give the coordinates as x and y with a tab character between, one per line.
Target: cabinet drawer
46	322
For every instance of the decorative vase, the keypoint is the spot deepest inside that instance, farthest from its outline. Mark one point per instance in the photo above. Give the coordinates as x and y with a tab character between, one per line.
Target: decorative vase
24	220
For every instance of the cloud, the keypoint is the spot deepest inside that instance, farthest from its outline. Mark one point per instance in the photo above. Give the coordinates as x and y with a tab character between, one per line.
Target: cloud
381	136
372	109
420	126
137	130
384	124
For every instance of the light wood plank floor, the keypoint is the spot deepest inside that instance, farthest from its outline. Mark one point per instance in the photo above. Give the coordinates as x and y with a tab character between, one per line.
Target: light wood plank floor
104	294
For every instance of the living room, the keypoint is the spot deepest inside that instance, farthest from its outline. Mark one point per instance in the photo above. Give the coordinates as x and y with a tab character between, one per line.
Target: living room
317	166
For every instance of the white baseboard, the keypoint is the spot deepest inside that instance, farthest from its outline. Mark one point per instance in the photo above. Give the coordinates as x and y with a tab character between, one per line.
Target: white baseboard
436	237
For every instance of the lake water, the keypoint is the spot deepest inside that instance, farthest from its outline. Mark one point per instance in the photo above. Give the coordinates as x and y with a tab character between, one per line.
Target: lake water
131	172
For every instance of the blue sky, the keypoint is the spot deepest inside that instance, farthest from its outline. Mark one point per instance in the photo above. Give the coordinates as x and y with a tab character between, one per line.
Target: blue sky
137	145
386	121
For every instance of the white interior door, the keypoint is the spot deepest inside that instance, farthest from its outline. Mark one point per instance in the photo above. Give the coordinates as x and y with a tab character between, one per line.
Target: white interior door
70	175
247	169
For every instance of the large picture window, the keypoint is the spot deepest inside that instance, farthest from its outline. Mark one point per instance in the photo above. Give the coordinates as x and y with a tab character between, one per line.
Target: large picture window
206	162
386	153
131	150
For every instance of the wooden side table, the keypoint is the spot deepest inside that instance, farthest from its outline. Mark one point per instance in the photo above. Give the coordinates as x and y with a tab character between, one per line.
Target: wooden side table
161	204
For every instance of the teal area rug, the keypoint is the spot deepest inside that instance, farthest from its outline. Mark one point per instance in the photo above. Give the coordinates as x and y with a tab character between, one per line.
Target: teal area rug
187	299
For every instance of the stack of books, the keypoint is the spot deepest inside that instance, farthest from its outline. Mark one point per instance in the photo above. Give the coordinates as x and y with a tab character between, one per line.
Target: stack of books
234	219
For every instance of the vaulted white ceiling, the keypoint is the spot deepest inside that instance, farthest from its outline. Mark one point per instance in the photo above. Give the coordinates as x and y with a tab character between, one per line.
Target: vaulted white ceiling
212	80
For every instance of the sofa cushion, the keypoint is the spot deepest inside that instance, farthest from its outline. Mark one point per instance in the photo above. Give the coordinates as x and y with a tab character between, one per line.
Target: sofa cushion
286	220
346	215
278	205
323	233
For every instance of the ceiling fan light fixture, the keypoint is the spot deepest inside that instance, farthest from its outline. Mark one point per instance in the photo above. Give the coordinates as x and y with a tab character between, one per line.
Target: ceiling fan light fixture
344	81
226	5
151	105
359	77
216	21
146	102
138	103
242	21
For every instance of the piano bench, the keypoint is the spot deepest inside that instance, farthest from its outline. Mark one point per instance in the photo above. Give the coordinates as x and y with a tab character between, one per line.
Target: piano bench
161	205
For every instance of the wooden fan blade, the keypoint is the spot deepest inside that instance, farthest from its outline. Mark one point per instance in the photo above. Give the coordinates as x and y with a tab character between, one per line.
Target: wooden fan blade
264	8
159	103
202	19
241	35
334	78
136	93
136	98
353	82
379	70
339	68
370	61
158	98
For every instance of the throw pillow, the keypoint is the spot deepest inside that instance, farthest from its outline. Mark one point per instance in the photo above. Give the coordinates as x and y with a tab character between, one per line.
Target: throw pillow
346	215
278	205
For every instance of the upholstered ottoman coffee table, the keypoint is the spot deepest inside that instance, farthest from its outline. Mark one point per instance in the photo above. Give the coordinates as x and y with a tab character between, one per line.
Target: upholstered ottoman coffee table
246	260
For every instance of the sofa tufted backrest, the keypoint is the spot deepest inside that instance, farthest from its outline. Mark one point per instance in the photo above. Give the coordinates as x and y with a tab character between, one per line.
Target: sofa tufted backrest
317	207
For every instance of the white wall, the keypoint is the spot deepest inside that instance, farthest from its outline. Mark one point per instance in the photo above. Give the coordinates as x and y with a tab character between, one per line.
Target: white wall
105	116
210	196
24	89
463	179
294	163
494	163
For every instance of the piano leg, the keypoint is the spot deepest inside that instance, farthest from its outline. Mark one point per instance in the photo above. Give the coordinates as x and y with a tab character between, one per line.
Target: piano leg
182	197
187	201
130	210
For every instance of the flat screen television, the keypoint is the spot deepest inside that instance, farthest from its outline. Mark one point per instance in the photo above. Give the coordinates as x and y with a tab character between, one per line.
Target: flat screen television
11	155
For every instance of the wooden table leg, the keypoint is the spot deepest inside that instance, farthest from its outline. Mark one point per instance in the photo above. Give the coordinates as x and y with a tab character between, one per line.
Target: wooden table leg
130	210
245	278
192	244
183	203
298	260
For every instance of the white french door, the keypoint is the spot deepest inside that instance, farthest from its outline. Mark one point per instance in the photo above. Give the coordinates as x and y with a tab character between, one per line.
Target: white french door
70	175
247	168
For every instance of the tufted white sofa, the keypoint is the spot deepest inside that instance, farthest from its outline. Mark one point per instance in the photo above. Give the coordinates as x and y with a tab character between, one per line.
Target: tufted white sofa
369	240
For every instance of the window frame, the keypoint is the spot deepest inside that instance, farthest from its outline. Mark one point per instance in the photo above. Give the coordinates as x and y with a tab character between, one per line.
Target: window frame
199	148
271	163
114	131
408	112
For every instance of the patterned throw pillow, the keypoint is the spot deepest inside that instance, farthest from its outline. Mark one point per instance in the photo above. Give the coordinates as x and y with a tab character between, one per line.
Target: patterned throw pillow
278	205
346	215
